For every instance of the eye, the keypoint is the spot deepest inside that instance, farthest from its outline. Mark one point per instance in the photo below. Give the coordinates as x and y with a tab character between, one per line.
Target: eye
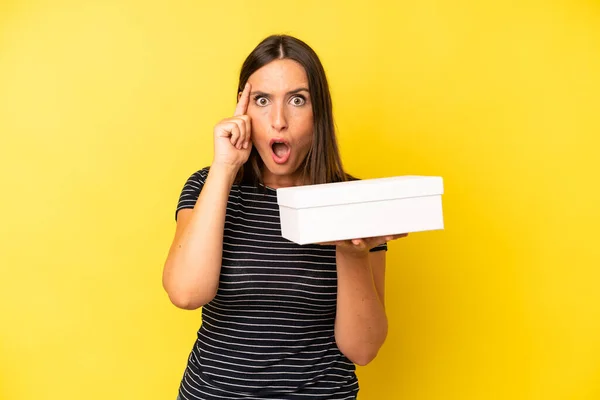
298	100
261	101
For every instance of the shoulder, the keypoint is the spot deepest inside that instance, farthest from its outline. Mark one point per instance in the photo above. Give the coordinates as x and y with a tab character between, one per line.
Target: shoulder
191	189
196	179
198	176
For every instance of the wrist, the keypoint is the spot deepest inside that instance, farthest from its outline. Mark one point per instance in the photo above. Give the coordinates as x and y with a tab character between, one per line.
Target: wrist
352	254
225	171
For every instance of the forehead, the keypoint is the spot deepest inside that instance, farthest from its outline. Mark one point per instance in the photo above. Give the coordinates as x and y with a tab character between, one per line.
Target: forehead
279	76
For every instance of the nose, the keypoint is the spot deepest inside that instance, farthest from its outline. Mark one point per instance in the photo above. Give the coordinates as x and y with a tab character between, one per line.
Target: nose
279	118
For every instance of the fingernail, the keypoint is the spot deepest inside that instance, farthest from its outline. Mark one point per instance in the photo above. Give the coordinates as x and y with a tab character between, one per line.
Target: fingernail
245	145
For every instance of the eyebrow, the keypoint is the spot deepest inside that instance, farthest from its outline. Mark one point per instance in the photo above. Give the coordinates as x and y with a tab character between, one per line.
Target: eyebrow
302	89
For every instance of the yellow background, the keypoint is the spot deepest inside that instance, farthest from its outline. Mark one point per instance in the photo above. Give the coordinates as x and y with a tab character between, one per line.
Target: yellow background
106	107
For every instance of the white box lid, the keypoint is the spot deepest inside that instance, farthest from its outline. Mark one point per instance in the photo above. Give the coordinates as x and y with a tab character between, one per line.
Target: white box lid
360	191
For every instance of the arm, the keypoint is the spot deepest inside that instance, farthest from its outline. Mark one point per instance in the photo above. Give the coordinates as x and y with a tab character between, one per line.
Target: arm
193	266
191	271
361	323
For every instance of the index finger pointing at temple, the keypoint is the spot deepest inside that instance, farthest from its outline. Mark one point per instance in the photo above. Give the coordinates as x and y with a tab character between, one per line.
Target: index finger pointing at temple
242	105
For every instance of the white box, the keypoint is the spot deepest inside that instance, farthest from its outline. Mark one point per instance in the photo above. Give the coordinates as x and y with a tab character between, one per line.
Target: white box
361	209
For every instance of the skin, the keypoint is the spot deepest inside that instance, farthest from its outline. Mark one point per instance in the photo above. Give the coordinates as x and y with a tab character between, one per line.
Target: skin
280	107
274	103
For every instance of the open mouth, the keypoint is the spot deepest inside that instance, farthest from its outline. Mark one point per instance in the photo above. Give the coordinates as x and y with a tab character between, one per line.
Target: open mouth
281	150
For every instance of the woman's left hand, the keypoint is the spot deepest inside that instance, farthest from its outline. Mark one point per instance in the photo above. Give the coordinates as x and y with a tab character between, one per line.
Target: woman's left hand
362	246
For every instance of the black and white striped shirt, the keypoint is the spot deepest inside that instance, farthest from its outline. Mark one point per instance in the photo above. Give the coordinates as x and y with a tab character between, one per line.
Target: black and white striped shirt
269	332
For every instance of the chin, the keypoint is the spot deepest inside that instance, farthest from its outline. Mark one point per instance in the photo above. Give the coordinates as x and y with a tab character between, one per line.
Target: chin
288	169
281	169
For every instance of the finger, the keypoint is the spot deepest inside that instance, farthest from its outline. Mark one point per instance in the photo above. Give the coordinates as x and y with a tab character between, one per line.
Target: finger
359	244
225	128
326	243
244	125
245	133
377	241
235	133
242	105
373	242
248	133
394	237
242	128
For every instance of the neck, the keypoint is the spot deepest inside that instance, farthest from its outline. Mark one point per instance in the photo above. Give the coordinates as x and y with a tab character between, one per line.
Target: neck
281	181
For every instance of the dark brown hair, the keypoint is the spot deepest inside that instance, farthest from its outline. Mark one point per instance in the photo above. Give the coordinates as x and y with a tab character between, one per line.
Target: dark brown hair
323	163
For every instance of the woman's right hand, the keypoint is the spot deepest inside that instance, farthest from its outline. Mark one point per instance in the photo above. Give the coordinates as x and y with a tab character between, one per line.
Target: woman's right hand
232	136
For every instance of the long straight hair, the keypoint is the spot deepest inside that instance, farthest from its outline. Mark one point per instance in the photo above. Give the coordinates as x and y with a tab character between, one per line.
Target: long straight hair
323	163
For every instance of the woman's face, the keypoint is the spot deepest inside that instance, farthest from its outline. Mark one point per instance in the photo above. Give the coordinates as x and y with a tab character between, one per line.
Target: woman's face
282	120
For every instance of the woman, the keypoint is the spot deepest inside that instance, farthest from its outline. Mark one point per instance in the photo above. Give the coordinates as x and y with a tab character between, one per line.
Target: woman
279	320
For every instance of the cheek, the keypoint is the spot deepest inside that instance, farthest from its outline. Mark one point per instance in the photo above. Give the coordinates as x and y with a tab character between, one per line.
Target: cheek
304	139
302	120
305	130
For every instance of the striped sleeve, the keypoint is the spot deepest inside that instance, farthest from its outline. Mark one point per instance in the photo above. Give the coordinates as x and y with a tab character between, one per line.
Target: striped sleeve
191	190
